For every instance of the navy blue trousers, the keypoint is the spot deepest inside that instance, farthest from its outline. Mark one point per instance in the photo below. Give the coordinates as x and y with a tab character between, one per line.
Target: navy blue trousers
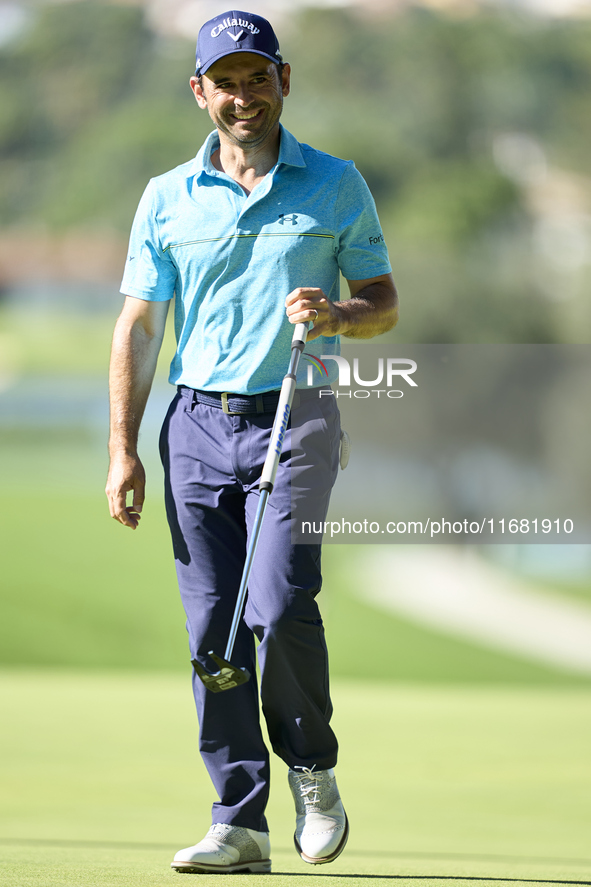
212	463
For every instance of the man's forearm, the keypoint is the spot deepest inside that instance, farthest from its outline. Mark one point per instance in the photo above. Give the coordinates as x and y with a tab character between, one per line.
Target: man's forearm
136	344
371	311
134	357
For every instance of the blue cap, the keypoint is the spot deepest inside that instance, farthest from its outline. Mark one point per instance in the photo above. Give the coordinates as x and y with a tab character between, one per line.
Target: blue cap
235	32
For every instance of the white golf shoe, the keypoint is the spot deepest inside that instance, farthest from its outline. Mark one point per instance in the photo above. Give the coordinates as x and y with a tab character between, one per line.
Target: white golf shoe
322	828
226	849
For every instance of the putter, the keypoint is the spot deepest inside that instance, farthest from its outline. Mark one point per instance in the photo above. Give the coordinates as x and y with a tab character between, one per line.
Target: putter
230	676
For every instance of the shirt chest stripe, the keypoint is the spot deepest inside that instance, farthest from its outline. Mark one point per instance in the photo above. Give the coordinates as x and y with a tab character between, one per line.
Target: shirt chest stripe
239	236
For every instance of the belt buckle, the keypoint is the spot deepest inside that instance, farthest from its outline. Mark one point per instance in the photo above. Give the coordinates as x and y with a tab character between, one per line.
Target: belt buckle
225	408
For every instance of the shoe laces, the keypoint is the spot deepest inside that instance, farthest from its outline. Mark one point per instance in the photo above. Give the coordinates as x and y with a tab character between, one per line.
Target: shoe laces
308	785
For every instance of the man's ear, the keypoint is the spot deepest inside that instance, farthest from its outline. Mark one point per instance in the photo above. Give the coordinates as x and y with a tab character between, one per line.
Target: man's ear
286	79
197	90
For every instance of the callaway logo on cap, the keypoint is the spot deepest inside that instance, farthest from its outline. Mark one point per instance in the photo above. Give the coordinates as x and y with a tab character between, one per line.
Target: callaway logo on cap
235	32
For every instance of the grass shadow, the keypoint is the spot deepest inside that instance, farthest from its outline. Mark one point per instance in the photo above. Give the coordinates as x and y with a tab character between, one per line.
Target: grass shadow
137	845
428	878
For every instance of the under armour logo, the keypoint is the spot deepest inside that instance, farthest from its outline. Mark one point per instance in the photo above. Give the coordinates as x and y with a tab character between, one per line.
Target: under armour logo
283	219
235	37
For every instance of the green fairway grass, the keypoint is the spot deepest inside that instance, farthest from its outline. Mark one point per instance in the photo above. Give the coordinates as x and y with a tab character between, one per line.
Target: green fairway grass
78	589
58	342
102	783
367	642
457	763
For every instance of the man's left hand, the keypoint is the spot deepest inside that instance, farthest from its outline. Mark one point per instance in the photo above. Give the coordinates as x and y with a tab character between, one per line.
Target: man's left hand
310	303
371	310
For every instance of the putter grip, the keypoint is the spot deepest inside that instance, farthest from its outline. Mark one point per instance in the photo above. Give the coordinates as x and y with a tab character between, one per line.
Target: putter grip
298	343
300	334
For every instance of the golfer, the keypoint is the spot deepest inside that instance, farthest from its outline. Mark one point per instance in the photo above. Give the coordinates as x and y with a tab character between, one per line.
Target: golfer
249	238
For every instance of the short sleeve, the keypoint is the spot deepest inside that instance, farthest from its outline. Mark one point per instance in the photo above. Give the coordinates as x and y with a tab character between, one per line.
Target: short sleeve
361	250
150	273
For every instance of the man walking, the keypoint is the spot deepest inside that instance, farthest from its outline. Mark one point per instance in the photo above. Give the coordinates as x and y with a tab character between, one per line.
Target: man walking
249	237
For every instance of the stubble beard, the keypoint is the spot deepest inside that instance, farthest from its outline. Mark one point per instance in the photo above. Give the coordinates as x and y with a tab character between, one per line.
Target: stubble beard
252	139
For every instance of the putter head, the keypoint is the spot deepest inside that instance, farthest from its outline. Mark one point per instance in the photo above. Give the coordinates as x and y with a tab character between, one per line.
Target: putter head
228	677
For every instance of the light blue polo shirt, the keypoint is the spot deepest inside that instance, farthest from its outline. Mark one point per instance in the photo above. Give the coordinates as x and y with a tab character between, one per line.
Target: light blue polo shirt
231	259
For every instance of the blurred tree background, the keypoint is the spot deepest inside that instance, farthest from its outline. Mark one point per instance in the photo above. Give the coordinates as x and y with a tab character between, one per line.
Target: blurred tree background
472	131
472	128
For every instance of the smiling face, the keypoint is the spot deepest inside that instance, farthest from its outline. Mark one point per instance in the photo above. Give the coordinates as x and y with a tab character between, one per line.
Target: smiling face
243	93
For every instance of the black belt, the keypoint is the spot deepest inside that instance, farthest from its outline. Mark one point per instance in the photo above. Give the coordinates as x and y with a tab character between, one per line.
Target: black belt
234	404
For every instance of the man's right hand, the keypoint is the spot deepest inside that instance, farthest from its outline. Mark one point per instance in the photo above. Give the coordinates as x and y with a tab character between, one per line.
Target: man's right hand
136	343
126	474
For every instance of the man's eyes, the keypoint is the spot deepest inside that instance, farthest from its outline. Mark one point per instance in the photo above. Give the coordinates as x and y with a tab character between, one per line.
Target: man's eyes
225	87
